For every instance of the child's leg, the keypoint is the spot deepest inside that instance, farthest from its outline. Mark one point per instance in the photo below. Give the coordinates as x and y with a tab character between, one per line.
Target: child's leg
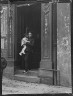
20	53
24	49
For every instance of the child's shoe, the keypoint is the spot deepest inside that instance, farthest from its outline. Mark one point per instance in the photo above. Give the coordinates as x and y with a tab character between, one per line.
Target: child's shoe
20	53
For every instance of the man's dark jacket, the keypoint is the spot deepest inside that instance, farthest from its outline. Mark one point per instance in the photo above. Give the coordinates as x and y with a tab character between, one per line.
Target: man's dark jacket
29	46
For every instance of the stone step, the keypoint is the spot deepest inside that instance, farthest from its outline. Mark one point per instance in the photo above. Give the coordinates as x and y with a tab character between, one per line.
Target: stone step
29	73
26	78
33	73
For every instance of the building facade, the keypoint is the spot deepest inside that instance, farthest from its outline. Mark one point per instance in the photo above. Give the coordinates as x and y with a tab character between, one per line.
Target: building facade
51	25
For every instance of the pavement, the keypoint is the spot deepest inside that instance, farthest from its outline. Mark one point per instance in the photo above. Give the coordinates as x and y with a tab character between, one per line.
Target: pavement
19	87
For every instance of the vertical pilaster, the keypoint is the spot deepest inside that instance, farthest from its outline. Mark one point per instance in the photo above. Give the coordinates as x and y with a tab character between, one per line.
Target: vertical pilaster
10	32
46	34
9	70
46	44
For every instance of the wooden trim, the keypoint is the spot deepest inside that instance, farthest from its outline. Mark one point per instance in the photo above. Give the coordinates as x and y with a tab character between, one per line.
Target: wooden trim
31	1
15	33
39	1
54	35
15	37
54	41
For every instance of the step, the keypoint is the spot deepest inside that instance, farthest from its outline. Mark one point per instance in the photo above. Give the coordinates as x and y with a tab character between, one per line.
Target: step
29	73
26	78
33	73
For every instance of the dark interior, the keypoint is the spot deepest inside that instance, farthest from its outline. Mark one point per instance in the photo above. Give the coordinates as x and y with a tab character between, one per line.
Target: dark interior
29	16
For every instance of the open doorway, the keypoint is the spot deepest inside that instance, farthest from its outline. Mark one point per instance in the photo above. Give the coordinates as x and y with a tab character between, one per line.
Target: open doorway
28	18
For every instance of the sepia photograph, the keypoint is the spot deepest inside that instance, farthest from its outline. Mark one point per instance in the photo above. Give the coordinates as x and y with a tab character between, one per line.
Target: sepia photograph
36	46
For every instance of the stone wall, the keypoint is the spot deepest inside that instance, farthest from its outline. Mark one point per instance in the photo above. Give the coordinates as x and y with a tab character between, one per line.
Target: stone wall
4	31
64	43
7	41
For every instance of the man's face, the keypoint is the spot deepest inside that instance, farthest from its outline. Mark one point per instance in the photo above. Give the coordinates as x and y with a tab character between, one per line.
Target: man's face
30	34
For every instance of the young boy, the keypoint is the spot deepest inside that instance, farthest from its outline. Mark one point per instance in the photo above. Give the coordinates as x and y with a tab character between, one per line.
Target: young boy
23	43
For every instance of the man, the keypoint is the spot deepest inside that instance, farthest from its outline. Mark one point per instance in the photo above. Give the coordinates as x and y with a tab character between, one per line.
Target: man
28	50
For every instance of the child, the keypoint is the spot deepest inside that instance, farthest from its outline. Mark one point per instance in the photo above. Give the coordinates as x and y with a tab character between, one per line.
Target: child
23	43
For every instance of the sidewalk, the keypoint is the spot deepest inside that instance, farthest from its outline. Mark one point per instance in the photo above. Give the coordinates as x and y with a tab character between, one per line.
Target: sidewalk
19	87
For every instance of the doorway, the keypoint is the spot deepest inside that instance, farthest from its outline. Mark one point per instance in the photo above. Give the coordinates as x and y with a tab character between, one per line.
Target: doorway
28	18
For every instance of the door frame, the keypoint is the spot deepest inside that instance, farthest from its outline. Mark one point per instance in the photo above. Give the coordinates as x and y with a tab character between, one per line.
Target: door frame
54	37
18	4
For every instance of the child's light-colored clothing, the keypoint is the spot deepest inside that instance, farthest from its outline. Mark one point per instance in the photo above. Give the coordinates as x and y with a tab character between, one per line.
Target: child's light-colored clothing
23	50
23	43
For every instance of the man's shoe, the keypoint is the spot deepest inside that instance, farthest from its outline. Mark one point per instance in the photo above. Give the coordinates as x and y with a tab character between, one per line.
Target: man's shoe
24	71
